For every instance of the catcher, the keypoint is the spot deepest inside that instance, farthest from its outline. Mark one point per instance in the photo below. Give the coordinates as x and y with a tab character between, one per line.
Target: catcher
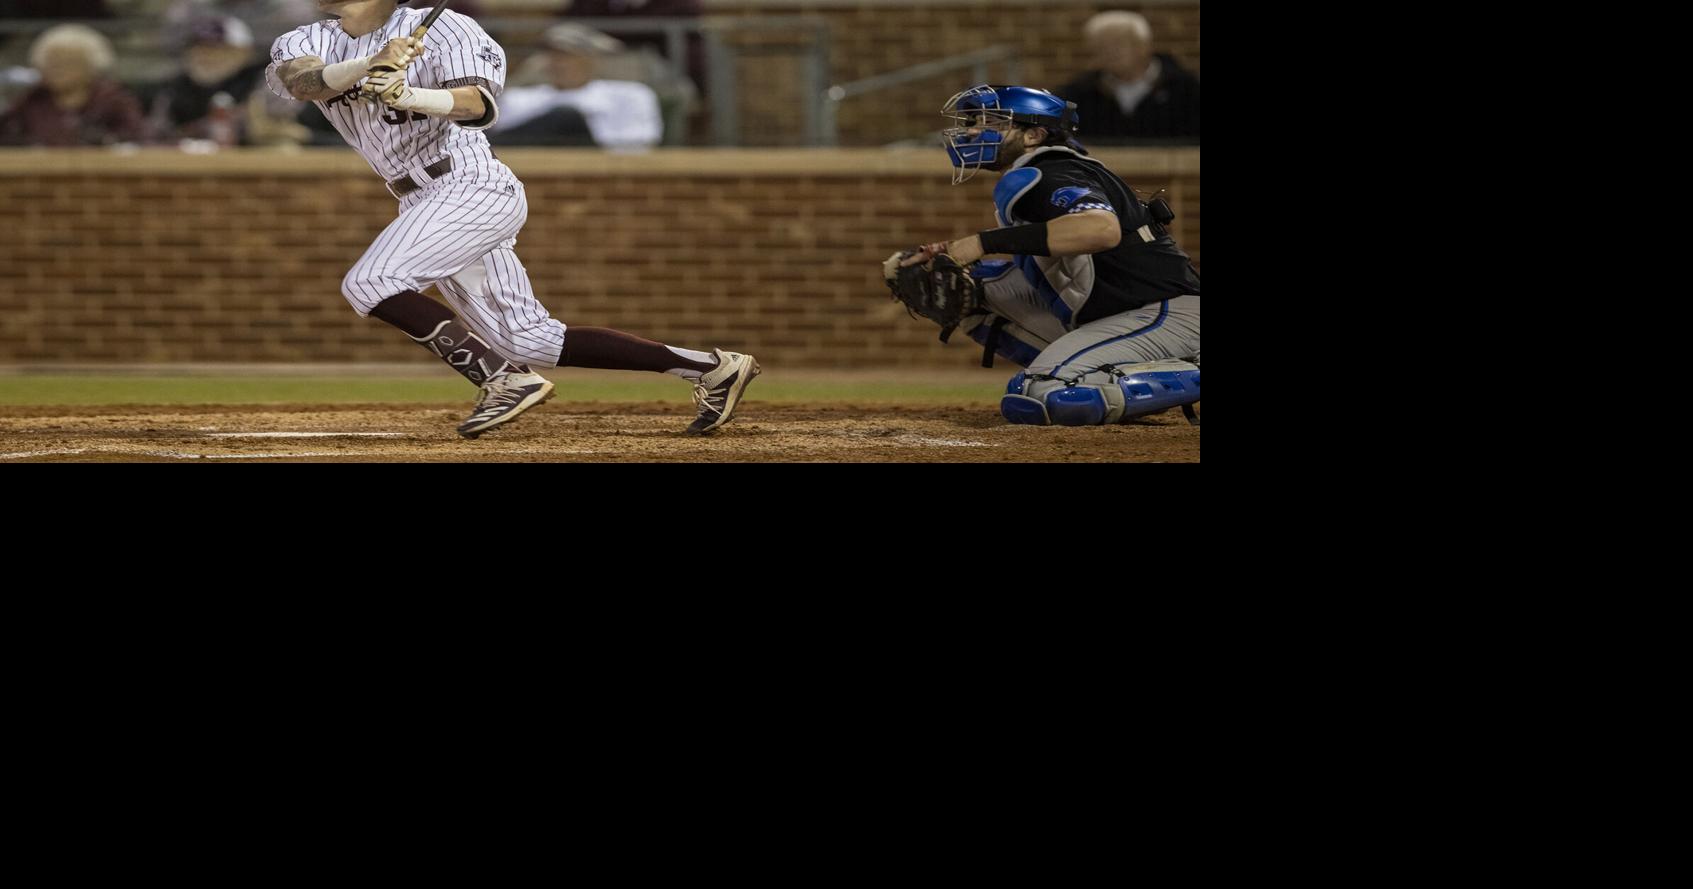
412	92
1098	304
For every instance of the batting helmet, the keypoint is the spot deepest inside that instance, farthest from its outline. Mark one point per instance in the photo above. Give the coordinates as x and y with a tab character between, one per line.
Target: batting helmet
982	114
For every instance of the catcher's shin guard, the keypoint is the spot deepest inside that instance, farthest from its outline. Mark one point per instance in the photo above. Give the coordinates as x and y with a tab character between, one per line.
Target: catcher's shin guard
1108	395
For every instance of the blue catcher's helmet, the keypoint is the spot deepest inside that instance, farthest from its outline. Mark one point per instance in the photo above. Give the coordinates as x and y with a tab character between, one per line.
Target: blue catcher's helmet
983	114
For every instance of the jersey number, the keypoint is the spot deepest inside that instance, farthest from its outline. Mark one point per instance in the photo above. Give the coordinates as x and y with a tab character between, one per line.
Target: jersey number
395	116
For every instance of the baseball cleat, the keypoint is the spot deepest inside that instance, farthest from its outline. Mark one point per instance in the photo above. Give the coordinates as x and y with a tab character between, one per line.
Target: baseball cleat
719	390
503	398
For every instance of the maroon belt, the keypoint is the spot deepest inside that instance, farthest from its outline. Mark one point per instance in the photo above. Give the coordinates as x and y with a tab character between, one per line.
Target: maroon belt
404	185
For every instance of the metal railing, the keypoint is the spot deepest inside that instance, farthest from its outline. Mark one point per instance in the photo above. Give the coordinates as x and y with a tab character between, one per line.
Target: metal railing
723	58
977	61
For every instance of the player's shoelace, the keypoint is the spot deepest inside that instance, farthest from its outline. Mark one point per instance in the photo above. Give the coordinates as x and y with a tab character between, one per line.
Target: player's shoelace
703	399
496	396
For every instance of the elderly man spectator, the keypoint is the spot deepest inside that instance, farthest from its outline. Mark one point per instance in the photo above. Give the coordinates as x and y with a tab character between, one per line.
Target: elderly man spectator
75	103
618	113
1132	93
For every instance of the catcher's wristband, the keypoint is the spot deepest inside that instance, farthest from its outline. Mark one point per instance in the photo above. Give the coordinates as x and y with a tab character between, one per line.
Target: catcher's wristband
1023	240
342	75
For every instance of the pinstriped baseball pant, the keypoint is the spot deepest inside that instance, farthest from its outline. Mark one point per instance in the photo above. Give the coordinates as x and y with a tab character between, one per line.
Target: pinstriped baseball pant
458	232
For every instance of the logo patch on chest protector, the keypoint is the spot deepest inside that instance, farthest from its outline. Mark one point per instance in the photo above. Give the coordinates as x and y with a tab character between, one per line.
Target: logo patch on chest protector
1064	197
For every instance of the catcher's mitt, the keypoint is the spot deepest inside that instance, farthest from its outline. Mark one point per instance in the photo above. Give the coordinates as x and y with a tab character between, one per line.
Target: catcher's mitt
941	291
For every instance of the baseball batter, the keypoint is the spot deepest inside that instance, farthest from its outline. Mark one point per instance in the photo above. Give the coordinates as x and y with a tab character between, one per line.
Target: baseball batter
416	111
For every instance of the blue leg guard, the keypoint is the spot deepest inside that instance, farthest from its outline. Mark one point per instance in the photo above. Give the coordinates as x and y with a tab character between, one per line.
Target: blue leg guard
1102	397
1148	392
1018	408
1077	406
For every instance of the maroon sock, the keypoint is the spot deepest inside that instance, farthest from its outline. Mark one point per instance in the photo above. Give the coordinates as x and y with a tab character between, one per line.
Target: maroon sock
435	327
616	350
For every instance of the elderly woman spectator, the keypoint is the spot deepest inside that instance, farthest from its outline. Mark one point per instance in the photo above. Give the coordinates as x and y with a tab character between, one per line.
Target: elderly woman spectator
75	103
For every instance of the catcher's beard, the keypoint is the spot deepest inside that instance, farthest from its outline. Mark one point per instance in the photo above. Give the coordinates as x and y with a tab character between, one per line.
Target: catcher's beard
1011	147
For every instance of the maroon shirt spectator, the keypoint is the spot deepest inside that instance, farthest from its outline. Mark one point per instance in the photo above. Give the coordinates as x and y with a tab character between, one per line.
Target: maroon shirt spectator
75	104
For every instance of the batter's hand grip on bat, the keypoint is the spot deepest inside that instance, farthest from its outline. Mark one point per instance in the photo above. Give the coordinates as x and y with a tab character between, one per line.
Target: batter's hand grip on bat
417	36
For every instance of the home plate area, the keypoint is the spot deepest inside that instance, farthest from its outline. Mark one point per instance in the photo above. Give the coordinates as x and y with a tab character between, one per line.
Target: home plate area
583	432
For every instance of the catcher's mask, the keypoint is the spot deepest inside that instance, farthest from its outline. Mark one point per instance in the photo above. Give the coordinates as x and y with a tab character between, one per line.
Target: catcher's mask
982	116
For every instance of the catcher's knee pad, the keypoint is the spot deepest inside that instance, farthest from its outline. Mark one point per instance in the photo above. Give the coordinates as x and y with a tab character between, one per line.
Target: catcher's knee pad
1040	400
1019	408
1107	395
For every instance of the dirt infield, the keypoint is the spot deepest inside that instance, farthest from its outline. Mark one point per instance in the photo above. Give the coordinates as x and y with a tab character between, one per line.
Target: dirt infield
578	432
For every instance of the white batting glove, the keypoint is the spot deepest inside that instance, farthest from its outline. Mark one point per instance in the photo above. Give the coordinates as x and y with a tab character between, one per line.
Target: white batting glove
387	87
390	88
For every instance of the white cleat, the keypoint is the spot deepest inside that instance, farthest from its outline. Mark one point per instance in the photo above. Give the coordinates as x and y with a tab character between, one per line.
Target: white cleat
503	399
719	390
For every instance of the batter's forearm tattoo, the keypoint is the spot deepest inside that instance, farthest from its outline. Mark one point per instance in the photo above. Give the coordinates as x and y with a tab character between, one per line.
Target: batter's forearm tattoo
308	84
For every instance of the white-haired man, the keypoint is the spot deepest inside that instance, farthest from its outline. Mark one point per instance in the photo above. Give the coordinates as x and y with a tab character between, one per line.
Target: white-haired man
1132	93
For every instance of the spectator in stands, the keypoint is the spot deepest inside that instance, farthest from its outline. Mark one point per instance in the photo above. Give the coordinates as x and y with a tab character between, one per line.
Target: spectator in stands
694	64
217	60
1133	93
75	103
616	113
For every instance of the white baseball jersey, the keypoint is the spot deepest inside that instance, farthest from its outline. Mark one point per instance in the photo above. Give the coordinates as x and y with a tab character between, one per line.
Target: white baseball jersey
457	52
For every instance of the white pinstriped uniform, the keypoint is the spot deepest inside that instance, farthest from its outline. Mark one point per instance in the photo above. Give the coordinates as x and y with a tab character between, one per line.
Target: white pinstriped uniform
457	232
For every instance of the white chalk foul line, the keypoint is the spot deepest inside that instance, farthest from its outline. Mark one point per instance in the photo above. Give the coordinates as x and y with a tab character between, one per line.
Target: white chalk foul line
940	442
179	455
306	435
889	437
184	455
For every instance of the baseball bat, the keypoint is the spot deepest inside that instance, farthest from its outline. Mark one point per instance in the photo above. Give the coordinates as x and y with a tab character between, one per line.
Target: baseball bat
440	7
423	28
417	34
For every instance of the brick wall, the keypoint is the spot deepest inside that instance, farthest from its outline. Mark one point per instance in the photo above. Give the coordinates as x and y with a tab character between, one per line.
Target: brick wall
238	257
870	37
